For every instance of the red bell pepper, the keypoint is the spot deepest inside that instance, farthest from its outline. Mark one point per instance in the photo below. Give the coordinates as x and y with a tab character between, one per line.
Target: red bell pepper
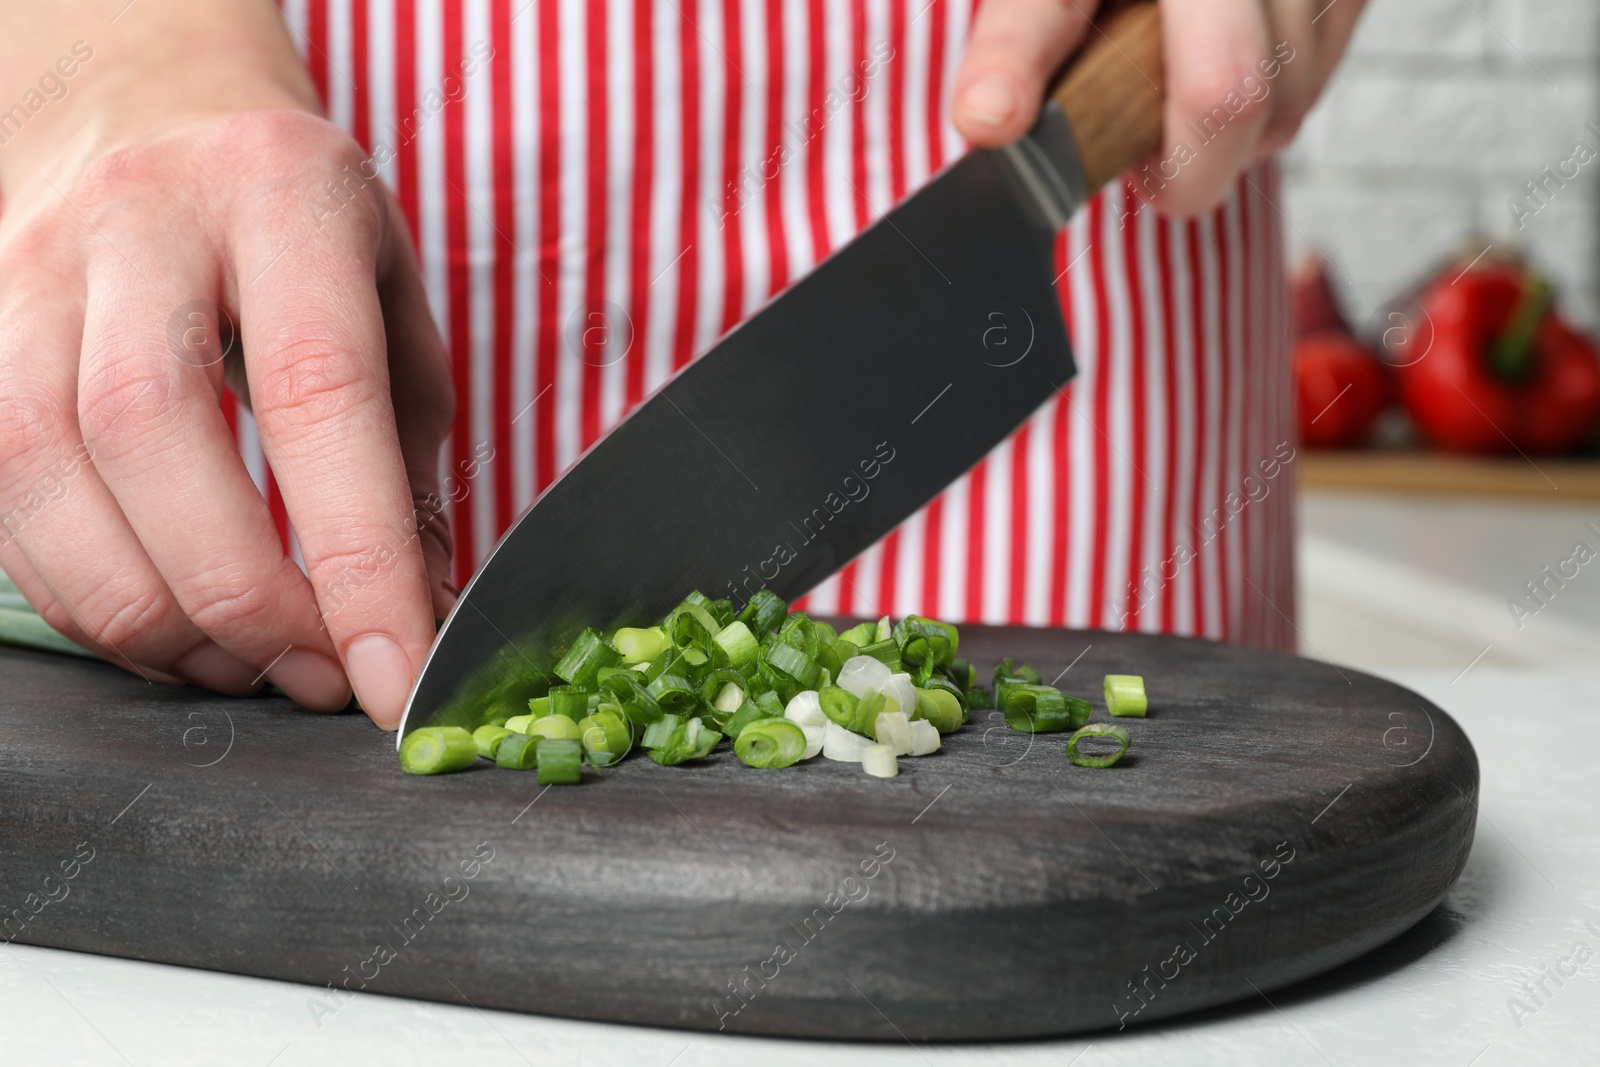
1494	368
1341	389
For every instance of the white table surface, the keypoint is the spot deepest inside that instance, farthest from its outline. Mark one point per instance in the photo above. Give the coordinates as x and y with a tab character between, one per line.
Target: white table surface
1441	994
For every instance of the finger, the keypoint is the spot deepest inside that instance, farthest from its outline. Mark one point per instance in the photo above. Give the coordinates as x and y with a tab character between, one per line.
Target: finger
1016	48
1291	71
1334	23
148	405
1215	108
70	549
424	401
319	385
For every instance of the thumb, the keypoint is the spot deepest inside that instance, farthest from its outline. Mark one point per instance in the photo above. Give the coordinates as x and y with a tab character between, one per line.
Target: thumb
1017	47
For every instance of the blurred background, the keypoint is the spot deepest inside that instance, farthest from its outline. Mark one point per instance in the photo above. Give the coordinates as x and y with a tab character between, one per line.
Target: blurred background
1443	202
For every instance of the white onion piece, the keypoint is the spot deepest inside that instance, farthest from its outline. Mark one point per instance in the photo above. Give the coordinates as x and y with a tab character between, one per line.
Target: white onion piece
806	709
861	675
841	744
879	761
816	737
900	690
924	738
892	729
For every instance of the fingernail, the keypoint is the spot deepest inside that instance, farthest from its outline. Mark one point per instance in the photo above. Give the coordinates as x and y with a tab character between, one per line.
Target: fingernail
310	679
214	668
381	673
990	101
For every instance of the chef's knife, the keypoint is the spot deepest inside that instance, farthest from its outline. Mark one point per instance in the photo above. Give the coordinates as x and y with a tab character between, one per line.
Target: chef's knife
817	426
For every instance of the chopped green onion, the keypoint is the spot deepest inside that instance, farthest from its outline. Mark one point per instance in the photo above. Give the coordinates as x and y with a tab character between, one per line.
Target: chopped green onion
556	728
518	724
1035	709
863	634
839	705
437	750
941	710
560	762
748	713
789	669
885	652
539	707
770	743
674	693
640	646
924	738
763	611
738	642
571	701
1097	734
659	732
884	630
584	659
605	738
1125	695
692	740
977	698
861	675
488	738
628	691
519	752
691	625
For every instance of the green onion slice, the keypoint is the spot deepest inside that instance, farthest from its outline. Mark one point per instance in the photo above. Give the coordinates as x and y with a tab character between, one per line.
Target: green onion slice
738	643
1125	695
770	743
437	750
584	659
605	737
488	738
570	701
1097	735
674	693
659	732
519	752
640	646
939	708
763	611
560	762
1035	709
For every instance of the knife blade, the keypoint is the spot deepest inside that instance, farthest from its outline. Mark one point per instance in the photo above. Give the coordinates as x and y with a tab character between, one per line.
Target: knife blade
813	429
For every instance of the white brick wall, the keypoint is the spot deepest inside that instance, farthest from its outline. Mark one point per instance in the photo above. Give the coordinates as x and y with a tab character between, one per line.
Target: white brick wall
1440	113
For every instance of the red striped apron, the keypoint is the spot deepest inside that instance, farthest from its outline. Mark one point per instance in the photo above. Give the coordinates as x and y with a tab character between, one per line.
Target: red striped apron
659	163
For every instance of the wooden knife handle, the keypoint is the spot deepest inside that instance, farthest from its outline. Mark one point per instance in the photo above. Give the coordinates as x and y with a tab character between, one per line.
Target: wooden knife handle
1112	93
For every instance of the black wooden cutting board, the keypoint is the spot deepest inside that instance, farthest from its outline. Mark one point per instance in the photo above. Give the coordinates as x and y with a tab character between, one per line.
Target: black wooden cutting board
1273	818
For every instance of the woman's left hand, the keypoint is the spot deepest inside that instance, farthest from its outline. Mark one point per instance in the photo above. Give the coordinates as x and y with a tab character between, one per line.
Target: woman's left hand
1271	56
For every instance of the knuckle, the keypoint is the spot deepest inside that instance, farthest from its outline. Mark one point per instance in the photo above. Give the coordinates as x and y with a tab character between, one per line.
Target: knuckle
128	617
231	602
29	424
314	379
353	565
1220	94
122	398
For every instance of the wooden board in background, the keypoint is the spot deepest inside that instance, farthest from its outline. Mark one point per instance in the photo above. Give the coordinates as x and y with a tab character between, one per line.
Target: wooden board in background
1574	480
1011	893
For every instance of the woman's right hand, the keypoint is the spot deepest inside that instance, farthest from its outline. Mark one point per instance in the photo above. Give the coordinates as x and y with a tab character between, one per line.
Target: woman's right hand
179	173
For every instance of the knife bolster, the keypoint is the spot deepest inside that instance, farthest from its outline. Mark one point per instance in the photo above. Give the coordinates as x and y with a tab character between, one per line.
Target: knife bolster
1047	165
